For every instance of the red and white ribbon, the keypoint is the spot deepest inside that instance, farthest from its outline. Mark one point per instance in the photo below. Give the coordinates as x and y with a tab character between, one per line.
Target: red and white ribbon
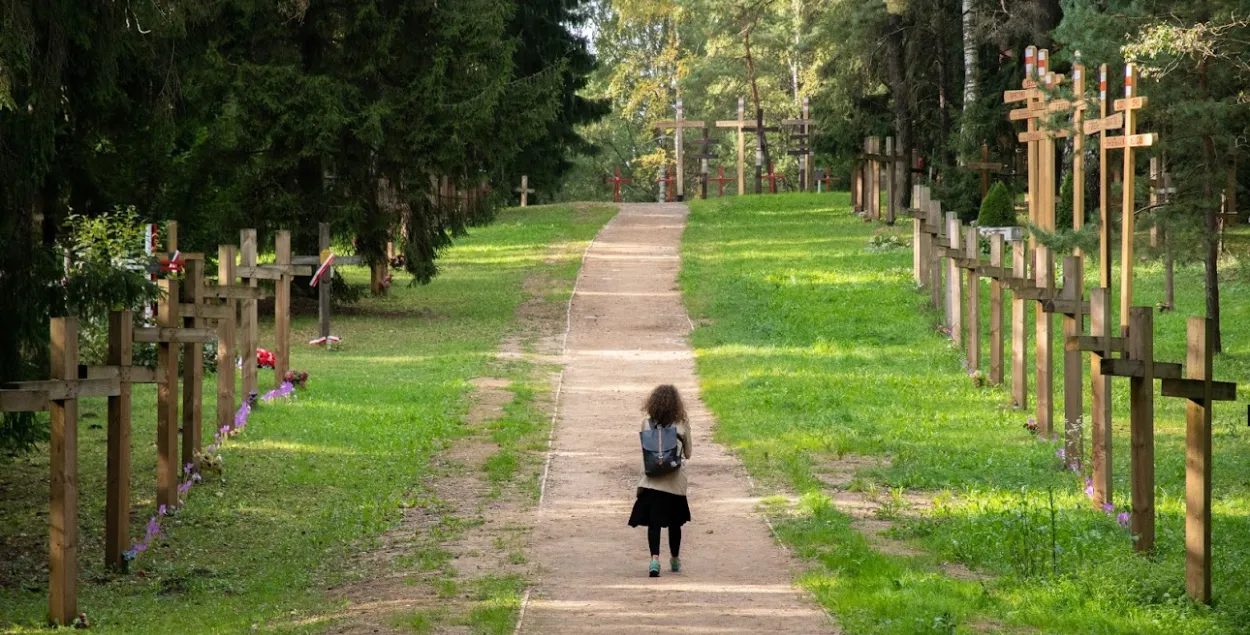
322	341
321	271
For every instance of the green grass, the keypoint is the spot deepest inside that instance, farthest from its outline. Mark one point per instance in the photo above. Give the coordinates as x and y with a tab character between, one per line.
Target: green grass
812	347
315	481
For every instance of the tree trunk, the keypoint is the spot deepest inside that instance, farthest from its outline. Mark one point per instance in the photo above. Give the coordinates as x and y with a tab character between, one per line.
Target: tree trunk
970	62
895	45
1212	238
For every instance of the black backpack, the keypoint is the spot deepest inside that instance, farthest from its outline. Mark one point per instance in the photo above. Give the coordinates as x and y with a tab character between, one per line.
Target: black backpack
660	453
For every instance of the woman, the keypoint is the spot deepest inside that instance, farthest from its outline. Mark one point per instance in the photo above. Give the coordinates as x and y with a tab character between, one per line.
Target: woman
661	500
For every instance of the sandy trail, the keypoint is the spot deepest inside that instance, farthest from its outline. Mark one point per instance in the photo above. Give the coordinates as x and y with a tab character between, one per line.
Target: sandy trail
629	333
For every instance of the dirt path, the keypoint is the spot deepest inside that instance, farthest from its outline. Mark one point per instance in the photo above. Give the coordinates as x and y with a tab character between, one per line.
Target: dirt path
628	332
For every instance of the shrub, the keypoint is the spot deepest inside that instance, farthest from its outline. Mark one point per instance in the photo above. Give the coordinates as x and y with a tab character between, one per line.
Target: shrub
997	210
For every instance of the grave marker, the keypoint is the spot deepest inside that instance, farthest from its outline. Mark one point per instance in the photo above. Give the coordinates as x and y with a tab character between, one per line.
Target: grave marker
720	180
678	125
525	190
740	125
616	185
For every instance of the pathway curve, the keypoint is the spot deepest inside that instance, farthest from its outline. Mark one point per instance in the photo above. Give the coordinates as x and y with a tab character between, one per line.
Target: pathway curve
628	333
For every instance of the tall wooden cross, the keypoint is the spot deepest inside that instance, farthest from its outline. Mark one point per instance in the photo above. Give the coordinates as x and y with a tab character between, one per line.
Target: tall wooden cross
678	125
759	129
720	180
986	167
1100	126
525	189
616	185
1129	141
803	152
328	260
740	124
705	153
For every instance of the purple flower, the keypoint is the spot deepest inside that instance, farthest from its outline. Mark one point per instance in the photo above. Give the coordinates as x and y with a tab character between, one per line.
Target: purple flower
186	469
161	511
1059	452
1108	507
140	548
1089	487
1123	519
196	477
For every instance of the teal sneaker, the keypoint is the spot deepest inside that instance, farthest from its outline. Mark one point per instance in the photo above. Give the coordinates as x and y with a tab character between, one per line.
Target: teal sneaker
655	568
675	563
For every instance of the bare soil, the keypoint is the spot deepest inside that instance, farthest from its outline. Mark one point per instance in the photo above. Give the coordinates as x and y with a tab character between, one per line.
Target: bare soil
629	333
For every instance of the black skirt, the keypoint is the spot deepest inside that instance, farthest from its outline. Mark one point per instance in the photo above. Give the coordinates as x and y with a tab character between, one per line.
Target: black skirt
654	508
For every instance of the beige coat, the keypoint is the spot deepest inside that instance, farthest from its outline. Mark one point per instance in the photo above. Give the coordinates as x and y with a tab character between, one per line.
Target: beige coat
674	482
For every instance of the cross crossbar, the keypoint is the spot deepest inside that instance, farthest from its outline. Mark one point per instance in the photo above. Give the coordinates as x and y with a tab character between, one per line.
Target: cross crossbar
155	335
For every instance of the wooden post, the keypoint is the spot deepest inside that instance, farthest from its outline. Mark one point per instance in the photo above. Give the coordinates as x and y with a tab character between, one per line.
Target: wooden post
167	400
251	334
525	188
1100	408
973	245
1019	332
1044	345
996	312
954	281
1034	159
681	174
703	163
890	209
193	365
857	188
63	515
1073	386
936	270
1127	218
282	309
117	499
742	181
327	281
1078	150
1198	463
227	338
1104	193
874	179
1142	421
807	139
917	239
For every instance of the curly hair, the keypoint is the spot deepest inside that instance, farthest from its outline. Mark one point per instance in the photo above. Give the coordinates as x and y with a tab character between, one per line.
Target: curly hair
664	406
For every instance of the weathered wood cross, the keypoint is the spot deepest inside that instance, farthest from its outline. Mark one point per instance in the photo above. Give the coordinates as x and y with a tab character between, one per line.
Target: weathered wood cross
739	124
678	125
525	190
803	152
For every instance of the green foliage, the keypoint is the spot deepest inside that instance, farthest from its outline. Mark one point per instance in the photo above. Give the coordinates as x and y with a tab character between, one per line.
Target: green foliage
998	209
960	192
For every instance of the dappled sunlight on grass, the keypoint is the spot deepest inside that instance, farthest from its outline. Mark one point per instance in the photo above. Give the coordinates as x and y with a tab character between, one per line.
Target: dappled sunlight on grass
808	355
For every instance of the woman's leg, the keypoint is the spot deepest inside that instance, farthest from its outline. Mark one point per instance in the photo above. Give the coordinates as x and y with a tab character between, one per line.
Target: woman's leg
653	539
674	541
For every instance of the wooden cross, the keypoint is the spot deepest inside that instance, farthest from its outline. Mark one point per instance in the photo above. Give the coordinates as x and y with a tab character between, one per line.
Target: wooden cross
666	185
1100	126
720	180
703	156
323	257
740	124
1130	140
525	190
772	179
986	168
759	129
616	185
803	152
827	179
678	125
872	176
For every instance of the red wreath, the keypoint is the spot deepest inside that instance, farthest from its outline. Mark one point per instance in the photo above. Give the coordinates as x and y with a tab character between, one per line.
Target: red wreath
264	358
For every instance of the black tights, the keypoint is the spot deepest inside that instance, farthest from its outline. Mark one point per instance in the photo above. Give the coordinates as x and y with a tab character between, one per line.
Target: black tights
674	540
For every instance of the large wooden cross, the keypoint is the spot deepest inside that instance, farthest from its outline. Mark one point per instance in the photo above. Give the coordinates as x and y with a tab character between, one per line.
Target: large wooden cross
679	124
740	124
1129	141
281	273
616	185
525	190
704	155
759	129
803	152
827	179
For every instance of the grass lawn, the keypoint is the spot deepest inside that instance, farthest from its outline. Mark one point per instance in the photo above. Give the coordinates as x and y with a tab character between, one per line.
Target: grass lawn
315	481
812	347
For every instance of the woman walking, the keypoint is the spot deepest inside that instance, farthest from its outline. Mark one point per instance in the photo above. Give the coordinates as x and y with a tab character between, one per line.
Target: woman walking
661	499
